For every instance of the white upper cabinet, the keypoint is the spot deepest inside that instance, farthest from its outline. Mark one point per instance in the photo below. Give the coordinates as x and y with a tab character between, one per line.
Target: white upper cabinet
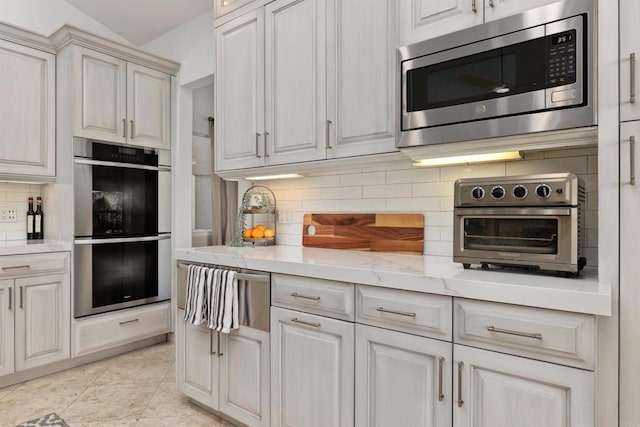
120	101
239	96
295	81
27	112
425	19
361	95
629	61
222	7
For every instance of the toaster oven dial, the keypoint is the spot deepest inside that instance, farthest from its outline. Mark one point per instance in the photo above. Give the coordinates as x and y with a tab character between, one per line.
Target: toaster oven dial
497	192
477	193
519	191
543	191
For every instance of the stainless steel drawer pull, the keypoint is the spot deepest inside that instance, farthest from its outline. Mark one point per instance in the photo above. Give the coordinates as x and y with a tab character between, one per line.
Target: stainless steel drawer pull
219	349
328	134
266	152
400	313
211	351
258	145
536	336
297	295
129	321
131	122
21	296
302	322
460	401
632	78
124	128
440	373
474	8
10	298
632	160
491	3
17	267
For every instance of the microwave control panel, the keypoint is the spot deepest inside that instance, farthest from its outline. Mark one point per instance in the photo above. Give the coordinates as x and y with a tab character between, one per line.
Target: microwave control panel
561	58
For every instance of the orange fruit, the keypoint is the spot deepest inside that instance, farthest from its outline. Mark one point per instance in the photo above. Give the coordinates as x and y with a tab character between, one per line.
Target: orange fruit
247	233
259	227
269	233
257	233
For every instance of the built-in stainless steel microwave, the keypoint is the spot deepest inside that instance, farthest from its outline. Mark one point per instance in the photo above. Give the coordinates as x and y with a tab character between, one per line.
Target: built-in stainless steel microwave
526	73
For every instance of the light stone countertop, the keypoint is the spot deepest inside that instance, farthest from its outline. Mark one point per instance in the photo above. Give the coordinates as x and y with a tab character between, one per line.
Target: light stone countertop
432	274
19	247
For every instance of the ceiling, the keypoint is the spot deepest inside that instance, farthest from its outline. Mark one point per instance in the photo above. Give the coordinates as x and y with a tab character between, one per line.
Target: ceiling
140	21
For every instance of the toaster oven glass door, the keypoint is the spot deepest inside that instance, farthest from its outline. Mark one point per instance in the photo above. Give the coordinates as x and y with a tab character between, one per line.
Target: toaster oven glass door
522	235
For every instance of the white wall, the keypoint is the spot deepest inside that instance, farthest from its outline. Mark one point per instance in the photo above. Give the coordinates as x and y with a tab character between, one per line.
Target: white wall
46	16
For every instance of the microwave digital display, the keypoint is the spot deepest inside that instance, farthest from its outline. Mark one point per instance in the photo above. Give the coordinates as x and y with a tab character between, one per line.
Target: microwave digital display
563	38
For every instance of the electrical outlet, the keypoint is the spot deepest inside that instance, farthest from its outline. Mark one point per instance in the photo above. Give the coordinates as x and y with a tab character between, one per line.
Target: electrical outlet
284	216
8	215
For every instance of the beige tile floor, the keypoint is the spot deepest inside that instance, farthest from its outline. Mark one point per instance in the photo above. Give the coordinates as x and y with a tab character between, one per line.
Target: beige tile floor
133	389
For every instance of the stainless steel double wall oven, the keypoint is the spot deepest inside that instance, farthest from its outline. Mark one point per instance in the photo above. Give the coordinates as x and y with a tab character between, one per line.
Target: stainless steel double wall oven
122	205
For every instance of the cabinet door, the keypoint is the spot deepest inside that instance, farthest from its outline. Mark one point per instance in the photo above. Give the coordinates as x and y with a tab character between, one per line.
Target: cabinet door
629	45
311	370
401	379
497	9
222	7
295	81
43	320
244	376
425	19
100	93
196	362
498	390
27	111
239	142
7	308
361	95
148	107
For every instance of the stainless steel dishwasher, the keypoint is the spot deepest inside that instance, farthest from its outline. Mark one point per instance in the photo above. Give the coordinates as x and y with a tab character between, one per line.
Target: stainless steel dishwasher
254	295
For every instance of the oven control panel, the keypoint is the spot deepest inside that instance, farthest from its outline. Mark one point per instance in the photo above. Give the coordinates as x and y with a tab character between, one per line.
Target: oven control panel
529	190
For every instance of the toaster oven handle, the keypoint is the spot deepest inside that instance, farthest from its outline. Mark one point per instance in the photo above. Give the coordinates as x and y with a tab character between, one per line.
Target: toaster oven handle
632	160
506	212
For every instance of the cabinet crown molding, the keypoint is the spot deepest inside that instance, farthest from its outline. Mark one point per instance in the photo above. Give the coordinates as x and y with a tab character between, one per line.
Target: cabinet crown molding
24	37
69	34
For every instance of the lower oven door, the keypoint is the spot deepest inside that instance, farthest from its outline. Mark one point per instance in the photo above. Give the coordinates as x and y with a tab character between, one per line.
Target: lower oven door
111	274
547	238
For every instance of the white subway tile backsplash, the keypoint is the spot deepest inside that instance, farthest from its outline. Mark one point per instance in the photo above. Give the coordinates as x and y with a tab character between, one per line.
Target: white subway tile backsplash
438	248
413	176
431	233
414	204
388	191
440	219
577	165
432	189
321	206
451	173
591	220
592	164
446	234
13	195
321	181
389	166
364	205
369	178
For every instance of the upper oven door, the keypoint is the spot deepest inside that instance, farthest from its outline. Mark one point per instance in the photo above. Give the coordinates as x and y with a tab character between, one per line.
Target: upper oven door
500	76
120	200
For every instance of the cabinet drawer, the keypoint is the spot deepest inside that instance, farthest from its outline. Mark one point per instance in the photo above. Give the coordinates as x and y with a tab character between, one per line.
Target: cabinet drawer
113	329
414	312
317	296
28	265
553	336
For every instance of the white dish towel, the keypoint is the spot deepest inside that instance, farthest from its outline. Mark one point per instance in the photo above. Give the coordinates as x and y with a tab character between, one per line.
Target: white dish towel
212	297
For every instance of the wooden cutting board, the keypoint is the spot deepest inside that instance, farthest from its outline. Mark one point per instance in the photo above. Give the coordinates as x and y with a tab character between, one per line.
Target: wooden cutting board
383	232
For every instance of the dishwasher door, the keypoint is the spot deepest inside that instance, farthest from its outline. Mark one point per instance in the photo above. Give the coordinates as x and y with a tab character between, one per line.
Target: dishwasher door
254	295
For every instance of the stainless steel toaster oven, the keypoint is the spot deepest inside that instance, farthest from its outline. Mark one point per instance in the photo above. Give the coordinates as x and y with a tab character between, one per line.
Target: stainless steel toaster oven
535	221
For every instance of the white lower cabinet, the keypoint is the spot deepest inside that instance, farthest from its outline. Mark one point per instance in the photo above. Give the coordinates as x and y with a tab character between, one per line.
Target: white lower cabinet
35	322
401	379
499	390
225	372
312	365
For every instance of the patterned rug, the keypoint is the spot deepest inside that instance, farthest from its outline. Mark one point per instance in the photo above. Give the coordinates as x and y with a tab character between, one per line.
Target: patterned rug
49	420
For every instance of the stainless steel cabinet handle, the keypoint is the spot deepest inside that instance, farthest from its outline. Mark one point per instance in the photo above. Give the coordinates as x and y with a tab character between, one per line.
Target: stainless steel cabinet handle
536	336
400	313
266	135
10	298
315	325
632	78
219	349
474	8
632	160
124	128
131	122
21	296
211	351
16	267
491	3
440	368
297	295
129	321
258	145
460	401
328	134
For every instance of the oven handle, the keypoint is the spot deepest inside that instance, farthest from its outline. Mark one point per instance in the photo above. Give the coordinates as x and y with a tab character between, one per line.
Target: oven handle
91	162
90	241
501	212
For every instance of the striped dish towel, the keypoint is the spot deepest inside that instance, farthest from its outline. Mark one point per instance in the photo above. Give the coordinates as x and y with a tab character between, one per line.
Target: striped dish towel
196	294
222	313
